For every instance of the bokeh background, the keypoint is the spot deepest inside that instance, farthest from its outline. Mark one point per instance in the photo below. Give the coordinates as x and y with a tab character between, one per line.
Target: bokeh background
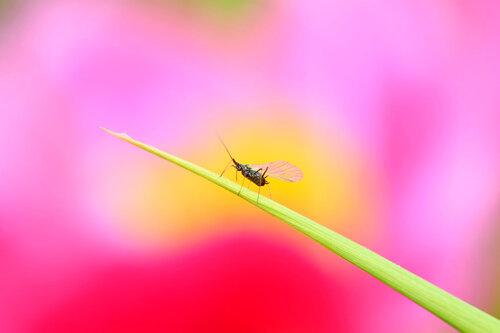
392	109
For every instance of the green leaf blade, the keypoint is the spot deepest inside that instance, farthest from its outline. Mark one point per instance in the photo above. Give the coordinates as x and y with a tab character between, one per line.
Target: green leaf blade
449	308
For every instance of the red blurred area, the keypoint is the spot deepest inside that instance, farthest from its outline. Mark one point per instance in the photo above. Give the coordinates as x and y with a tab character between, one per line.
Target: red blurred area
237	284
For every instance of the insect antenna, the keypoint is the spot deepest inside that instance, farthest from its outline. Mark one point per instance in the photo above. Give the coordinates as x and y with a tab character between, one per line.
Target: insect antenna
225	147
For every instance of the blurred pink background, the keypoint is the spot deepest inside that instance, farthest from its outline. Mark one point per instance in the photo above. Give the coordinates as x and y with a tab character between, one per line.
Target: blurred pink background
391	109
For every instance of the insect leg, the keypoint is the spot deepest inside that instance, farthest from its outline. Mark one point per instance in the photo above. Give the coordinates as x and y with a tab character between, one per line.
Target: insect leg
225	168
261	177
243	182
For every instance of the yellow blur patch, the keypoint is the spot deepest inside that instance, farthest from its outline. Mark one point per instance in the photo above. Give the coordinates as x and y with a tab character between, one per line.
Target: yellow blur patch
163	204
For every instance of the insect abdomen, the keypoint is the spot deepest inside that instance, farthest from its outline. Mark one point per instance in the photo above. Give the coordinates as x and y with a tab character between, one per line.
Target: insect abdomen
252	175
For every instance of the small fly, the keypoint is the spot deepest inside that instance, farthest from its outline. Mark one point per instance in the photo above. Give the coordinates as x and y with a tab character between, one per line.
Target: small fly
258	173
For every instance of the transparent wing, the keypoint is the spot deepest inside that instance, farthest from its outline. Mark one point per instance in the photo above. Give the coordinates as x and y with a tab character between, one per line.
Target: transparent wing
281	170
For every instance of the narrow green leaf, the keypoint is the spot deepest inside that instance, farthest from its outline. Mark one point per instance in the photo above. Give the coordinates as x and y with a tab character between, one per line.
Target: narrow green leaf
452	310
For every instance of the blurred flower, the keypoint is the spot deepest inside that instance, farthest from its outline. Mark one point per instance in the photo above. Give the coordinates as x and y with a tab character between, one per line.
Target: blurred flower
392	111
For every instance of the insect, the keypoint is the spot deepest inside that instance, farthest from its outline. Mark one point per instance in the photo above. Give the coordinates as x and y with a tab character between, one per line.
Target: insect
258	173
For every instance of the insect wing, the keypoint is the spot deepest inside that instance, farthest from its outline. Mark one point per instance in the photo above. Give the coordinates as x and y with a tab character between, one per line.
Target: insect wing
281	170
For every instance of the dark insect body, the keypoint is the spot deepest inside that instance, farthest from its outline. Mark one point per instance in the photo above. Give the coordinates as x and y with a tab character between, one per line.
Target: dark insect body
258	173
255	176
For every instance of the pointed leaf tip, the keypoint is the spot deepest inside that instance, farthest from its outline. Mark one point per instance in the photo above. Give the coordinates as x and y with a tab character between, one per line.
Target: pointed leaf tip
118	135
